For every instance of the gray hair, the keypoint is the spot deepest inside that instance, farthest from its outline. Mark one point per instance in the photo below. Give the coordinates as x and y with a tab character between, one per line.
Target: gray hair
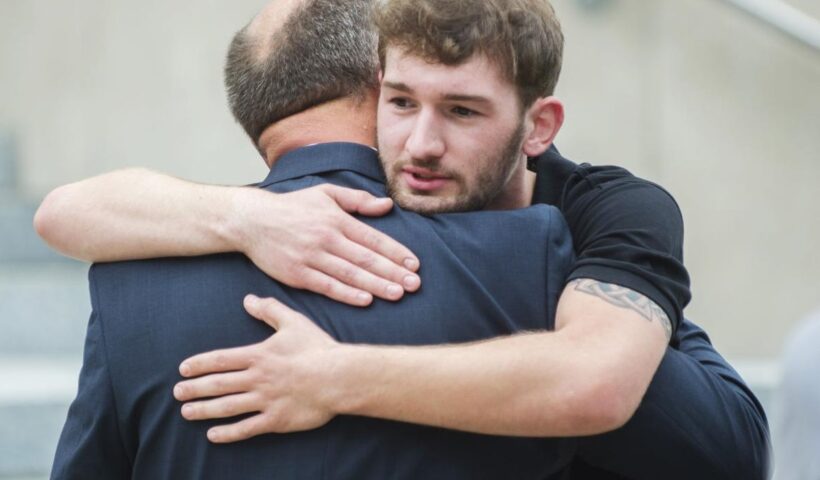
326	50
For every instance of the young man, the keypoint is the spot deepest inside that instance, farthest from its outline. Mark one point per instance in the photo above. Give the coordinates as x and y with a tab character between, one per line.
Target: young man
438	123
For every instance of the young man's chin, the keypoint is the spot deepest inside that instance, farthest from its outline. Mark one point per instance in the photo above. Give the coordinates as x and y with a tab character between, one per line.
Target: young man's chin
431	205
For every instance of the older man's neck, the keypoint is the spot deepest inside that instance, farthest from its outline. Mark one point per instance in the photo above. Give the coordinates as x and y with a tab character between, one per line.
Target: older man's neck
343	120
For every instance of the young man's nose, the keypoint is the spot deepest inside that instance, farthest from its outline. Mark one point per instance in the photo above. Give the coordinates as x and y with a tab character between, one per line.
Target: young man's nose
426	141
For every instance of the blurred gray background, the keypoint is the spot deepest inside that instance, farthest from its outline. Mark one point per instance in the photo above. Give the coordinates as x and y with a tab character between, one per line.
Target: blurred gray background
717	100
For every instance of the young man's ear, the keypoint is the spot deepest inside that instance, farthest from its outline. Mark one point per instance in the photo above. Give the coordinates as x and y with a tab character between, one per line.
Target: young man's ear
381	76
544	118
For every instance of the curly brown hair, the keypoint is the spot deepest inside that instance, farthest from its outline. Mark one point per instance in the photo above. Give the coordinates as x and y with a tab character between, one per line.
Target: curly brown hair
522	37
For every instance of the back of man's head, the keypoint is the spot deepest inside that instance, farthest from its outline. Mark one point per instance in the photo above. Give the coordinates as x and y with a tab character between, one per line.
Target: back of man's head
522	37
321	50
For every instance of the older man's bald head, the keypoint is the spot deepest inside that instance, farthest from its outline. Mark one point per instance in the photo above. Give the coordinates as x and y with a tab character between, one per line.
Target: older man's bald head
268	21
297	54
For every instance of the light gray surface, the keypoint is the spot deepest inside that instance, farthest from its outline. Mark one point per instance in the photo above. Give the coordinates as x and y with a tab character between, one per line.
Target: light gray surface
43	315
792	21
28	436
33	407
8	165
20	242
44	308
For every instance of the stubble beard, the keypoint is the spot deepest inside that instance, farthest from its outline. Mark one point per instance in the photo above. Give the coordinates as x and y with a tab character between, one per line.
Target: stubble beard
490	183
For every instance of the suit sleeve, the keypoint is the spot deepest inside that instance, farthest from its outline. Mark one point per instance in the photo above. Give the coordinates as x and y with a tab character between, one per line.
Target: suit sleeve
697	420
560	260
90	444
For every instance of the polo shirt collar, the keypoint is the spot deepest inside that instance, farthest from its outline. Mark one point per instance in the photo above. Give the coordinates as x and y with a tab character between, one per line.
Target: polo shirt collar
552	172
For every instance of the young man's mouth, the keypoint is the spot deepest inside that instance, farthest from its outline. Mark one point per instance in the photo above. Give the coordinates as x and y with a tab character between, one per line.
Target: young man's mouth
422	179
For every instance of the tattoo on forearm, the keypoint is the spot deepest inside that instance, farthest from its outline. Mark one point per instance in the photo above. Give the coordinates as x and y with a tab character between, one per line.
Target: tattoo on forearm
625	298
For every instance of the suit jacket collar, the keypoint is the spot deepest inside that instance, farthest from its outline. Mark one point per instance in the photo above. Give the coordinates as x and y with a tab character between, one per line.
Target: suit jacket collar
326	157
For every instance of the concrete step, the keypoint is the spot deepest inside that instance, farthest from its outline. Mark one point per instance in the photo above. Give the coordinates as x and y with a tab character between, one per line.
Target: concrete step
34	400
44	308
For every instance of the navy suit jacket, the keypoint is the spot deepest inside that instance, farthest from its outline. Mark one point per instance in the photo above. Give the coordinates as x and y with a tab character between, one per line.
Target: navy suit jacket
150	315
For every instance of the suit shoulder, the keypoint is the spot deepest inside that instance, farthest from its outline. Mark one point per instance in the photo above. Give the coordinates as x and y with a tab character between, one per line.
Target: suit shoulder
503	230
159	267
159	277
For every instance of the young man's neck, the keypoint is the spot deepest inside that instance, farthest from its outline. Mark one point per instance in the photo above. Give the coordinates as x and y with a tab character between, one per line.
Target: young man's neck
344	120
518	191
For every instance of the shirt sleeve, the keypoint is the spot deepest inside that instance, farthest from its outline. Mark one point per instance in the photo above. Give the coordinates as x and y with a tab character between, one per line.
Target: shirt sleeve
90	444
626	230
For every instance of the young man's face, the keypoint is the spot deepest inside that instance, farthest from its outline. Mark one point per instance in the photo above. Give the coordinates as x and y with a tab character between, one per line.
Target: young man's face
450	137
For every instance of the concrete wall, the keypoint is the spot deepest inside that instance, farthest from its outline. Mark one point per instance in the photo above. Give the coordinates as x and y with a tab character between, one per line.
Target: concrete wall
714	105
725	112
92	85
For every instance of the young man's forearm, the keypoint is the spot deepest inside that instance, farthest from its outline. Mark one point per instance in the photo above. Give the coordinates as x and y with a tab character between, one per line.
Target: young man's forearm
305	239
136	213
587	378
482	388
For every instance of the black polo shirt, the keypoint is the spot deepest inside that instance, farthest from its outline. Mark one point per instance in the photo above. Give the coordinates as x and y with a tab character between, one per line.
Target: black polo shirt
626	230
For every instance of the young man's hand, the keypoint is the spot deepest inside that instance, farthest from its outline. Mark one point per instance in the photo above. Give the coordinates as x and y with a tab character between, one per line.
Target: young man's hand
285	380
308	239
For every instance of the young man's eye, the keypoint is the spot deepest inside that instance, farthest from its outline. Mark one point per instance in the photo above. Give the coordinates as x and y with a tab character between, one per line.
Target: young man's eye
464	112
400	102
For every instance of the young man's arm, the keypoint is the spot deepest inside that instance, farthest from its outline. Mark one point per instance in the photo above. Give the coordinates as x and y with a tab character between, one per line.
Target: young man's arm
698	419
305	239
585	378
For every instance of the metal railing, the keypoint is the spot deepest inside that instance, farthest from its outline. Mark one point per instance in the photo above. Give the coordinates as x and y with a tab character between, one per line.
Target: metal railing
784	17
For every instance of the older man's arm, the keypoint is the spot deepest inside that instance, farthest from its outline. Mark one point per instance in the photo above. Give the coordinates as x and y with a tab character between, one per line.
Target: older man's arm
306	239
698	419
